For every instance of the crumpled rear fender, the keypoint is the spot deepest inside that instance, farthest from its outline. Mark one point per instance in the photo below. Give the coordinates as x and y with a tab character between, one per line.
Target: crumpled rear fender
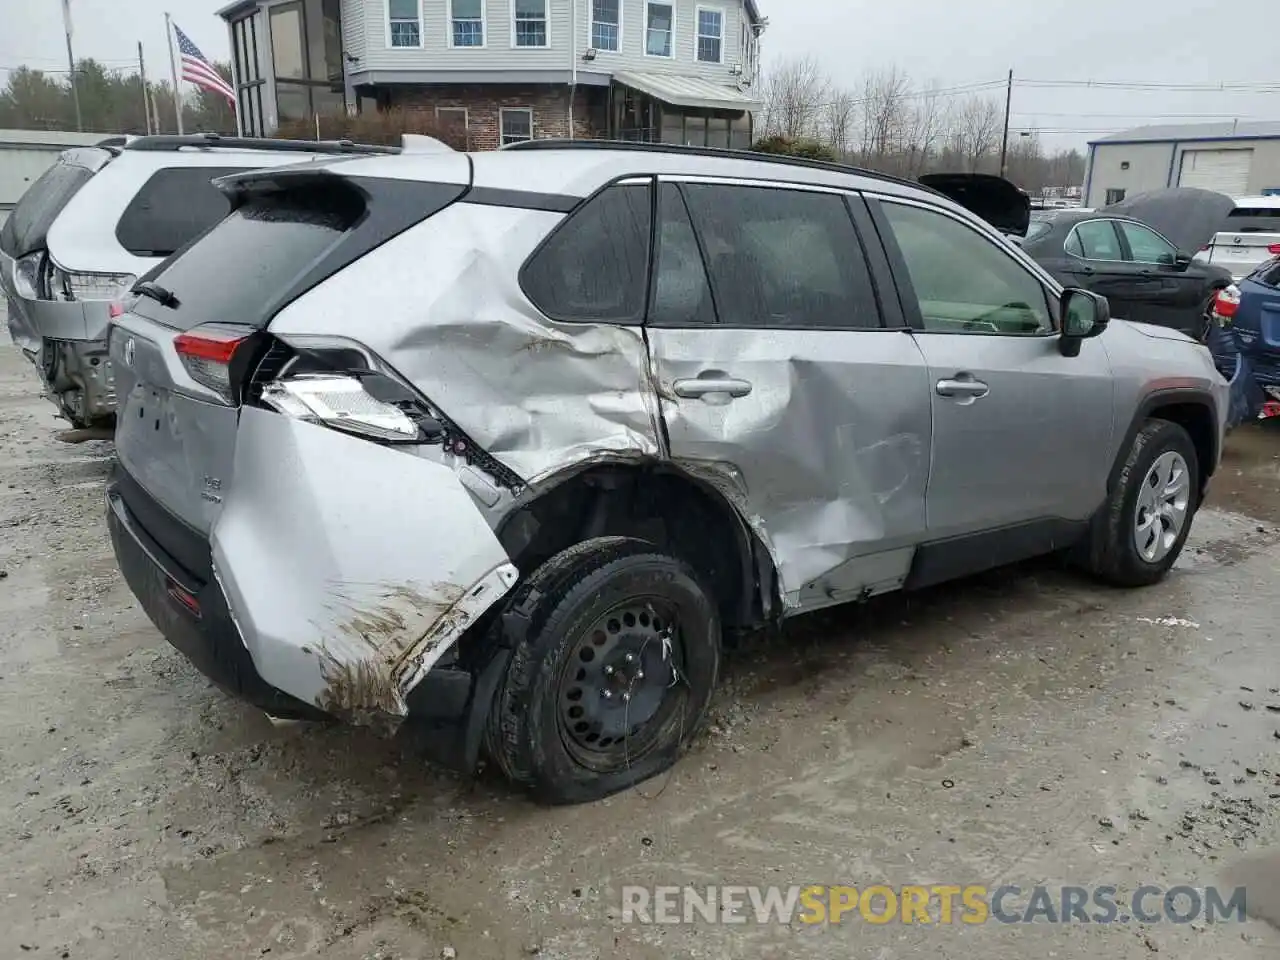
350	568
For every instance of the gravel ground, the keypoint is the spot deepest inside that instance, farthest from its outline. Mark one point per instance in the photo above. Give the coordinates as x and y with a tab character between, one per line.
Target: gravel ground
1025	727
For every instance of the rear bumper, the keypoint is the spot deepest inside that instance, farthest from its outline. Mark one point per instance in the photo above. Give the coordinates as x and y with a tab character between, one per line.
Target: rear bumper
447	708
67	345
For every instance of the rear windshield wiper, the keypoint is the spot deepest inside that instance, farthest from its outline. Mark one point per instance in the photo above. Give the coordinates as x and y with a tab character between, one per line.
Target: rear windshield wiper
162	295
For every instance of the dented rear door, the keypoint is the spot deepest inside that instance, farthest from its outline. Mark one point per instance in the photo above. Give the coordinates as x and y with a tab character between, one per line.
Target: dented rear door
781	382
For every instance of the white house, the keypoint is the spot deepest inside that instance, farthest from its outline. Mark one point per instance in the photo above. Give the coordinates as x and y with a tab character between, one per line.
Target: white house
676	71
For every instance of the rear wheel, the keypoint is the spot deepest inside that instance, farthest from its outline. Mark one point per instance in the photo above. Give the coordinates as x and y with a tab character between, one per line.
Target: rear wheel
1148	515
611	675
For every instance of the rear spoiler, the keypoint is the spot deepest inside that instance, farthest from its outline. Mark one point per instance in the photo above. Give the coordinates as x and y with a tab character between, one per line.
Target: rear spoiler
994	199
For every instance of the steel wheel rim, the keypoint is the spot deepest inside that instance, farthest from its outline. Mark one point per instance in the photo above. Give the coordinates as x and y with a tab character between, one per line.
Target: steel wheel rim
620	688
1161	511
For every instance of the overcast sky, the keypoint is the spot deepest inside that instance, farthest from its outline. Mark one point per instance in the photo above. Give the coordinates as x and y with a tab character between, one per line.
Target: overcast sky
955	42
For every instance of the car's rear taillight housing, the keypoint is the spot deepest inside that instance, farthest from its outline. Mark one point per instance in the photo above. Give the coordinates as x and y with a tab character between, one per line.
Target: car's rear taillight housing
1227	302
1274	249
26	275
208	353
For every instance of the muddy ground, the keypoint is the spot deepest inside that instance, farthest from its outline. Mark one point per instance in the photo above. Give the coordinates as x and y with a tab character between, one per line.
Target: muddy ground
1024	727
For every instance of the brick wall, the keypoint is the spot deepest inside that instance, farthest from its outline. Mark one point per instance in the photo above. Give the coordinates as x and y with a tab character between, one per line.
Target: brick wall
484	104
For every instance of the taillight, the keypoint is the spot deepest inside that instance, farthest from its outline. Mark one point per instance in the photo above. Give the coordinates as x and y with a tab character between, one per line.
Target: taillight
116	309
65	285
206	353
1274	249
1227	302
26	275
343	403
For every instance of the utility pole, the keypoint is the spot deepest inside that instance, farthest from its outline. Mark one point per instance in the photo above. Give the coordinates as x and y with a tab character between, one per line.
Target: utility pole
71	63
146	99
1008	104
173	69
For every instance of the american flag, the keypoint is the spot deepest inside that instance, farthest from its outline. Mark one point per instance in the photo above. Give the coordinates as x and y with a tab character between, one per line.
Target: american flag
199	71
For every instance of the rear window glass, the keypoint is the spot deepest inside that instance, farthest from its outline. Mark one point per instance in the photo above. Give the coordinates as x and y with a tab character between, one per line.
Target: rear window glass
173	207
254	254
28	225
1254	220
1268	273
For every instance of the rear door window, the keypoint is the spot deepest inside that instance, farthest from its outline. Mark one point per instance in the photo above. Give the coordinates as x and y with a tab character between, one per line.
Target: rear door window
595	266
786	258
28	225
173	207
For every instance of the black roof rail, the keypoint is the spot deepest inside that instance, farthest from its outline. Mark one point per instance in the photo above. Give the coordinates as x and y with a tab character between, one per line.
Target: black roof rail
169	142
553	143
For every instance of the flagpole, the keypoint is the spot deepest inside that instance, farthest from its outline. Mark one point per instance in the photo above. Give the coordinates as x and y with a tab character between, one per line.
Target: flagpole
71	62
235	86
173	69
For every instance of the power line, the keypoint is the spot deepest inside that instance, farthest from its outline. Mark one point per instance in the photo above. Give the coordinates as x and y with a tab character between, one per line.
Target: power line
1225	86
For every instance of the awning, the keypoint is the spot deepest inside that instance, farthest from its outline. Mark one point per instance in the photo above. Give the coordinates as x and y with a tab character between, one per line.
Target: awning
689	91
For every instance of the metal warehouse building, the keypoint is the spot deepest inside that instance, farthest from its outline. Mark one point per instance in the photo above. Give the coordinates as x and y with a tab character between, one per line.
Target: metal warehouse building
25	154
1238	159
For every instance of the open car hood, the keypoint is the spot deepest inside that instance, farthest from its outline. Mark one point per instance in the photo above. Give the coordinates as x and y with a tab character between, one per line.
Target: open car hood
993	198
1187	216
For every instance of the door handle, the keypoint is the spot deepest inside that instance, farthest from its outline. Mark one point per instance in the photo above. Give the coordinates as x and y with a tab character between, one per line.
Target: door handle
969	389
702	387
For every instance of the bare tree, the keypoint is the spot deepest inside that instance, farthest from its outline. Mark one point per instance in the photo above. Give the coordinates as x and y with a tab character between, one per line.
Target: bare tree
977	130
838	116
884	101
927	128
795	92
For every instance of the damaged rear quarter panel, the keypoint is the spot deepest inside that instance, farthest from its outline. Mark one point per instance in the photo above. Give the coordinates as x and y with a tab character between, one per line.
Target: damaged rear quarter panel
350	568
441	303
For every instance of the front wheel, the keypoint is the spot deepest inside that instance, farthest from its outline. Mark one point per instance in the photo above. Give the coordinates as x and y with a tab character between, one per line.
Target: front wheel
616	654
1148	515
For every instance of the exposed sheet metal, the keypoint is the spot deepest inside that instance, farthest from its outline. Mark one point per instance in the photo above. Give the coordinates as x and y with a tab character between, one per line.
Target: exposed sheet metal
350	568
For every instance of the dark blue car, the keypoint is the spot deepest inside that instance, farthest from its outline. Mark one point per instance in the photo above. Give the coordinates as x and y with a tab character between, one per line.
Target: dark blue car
1245	340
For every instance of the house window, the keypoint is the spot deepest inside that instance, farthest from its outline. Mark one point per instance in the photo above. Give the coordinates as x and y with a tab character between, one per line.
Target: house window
517	125
404	23
1114	195
606	24
530	23
466	23
659	28
710	35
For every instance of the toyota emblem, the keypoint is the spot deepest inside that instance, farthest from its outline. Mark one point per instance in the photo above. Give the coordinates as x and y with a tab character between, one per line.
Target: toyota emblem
129	348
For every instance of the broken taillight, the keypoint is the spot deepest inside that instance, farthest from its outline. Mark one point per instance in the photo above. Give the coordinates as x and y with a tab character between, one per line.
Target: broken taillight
206	353
1227	302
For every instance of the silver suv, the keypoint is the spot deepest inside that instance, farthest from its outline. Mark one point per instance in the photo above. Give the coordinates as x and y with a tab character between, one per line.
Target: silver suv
500	446
94	222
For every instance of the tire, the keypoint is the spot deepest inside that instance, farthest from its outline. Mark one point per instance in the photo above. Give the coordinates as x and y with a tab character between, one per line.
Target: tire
570	607
1115	555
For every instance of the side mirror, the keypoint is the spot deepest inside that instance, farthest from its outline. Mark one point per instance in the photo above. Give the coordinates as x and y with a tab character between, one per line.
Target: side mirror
1084	314
1182	261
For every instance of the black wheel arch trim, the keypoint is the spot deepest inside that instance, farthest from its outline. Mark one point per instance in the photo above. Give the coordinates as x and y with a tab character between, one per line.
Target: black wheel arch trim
1149	405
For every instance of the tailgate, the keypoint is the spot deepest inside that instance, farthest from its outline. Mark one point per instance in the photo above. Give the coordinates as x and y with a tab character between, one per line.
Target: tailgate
173	436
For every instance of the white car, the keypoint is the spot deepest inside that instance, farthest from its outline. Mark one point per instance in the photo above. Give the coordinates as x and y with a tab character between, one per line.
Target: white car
1250	237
